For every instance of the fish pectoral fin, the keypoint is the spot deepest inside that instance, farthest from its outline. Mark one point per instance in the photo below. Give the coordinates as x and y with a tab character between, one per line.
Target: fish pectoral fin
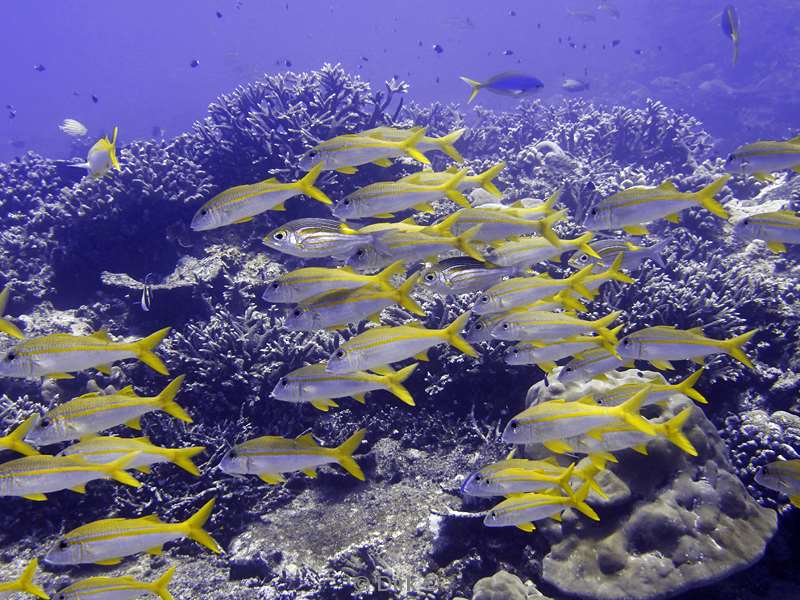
664	365
526	527
244	220
422	356
109	561
557	446
144	469
155	551
700	360
59	376
307	439
310	472
104	369
382	162
279	207
271	478
360	398
347	170
630	364
777	247
425	207
673	218
79	489
546	366
324	404
376	318
641	449
556	517
36	497
135	424
635	229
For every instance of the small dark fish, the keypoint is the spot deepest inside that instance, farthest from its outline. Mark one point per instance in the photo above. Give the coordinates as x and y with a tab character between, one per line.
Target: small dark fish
287	62
438	49
147	294
538	26
194	64
615	43
638	51
365	59
39	68
572	44
12	114
437	79
95	99
506	84
508	52
9	107
512	13
219	15
583	46
559	40
419	43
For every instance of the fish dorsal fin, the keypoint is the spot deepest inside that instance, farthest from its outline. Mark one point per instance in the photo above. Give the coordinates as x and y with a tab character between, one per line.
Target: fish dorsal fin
409	221
696	330
416	324
346	269
794	140
88	395
101	334
668	186
306	439
150	519
127	391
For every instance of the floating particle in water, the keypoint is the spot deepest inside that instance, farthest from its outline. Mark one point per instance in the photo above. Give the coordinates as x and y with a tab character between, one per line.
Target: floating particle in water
604	46
287	62
419	43
512	13
12	114
638	51
194	64
437	79
365	59
95	99
572	45
219	15
660	48
538	26
39	68
18	144
559	40
615	43
508	52
438	49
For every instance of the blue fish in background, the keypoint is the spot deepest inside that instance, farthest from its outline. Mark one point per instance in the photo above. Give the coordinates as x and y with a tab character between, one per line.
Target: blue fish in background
730	26
505	84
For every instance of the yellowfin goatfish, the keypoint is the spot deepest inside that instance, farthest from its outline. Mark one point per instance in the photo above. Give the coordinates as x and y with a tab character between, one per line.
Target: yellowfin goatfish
632	208
241	203
462	275
313	384
782	476
315	238
108	541
384	345
57	354
444	144
522	509
105	449
545	354
116	588
270	456
24	583
661	344
730	27
534	250
659	392
34	476
604	252
592	363
102	157
498	224
6	326
15	440
505	84
385	198
557	419
337	309
762	158
544	326
776	228
346	152
93	412
301	284
503	479
484	179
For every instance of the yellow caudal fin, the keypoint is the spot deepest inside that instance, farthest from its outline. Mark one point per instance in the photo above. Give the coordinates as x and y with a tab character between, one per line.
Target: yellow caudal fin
160	585
166	400
579	502
453	334
182	457
409	146
705	197
673	431
116	469
446	144
628	411
548	206
16	439
485	179
193	527
564	479
686	387
450	189
582	243
403	295
546	227
25	581
112	150
575	282
475	85
613	272
464	243
6	326
384	278
306	185
394	383
601	327
144	350
344	454
588	474
734	347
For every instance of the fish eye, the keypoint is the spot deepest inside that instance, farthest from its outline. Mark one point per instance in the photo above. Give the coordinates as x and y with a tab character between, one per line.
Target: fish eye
593	211
284	381
568	369
44	423
63	544
514	425
233	453
506	326
297	312
584	257
346	202
485	299
730	157
515	350
430	277
312	153
339	354
275	285
493	515
626	342
62	597
361	252
478	477
11	355
747	221
279	235
478	326
203	211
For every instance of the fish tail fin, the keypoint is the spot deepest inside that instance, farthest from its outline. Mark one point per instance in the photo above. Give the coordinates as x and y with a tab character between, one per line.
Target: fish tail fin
735	49
16	439
144	350
564	479
384	278
344	454
603	323
306	185
453	335
403	295
112	151
579	502
25	581
182	457
464	243
628	411
686	387
193	526
733	347
575	282
571	303
166	400
394	383
546	225
446	144
549	204
613	272
582	243
6	326
450	189
588	474
409	146
160	586
485	179
116	470
705	197
475	85
673	430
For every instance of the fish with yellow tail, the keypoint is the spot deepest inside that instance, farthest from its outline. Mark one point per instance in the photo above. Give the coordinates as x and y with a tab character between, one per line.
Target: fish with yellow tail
661	344
507	83
517	476
94	412
605	251
776	228
782	476
484	179
544	326
462	275
241	203
632	208
527	208
102	157
346	152
498	224
385	345
761	159
659	392
314	385
7	326
104	449
34	476
593	363
533	250
545	354
117	588
445	144
108	541
271	456
24	584
316	238
521	510
555	420
56	355
15	439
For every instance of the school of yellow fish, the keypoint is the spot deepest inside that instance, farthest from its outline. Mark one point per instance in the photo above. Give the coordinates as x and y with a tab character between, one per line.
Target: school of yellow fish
491	251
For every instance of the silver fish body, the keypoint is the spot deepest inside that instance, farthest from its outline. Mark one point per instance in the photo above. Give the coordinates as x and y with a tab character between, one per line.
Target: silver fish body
314	238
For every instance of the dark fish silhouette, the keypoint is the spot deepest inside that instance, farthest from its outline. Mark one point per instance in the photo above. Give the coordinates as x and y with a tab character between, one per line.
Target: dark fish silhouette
505	84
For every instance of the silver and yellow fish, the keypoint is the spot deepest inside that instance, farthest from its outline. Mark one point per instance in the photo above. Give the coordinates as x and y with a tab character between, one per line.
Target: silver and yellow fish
104	449
7	326
445	144
534	250
605	251
315	238
484	179
776	228
659	392
545	354
782	476
270	456
57	354
498	224
15	439
463	275
551	326
520	510
24	584
117	588
592	363
760	159
517	476
102	157
108	541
